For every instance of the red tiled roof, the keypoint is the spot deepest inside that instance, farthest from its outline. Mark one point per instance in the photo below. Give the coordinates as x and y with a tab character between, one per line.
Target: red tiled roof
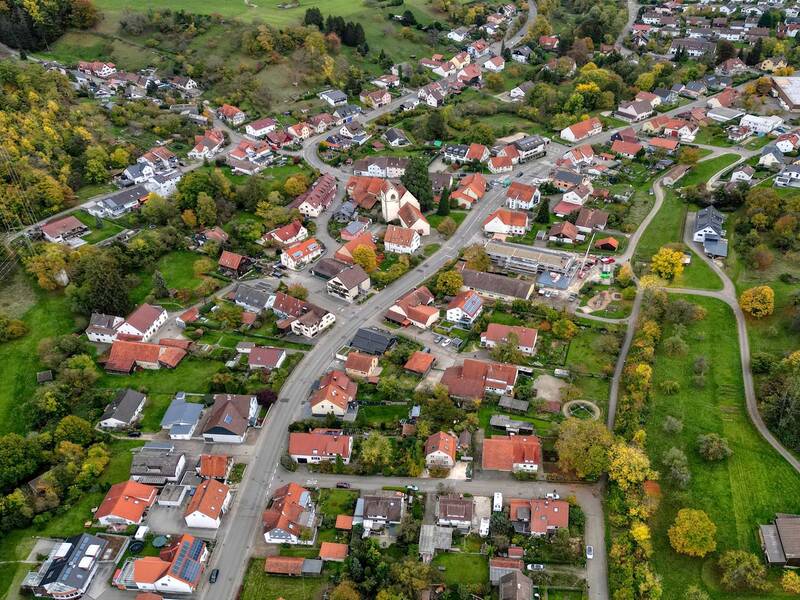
209	498
337	388
344	522
60	226
506	563
608	241
284	565
592	217
565	208
191	315
564	229
497	333
144	316
509	218
626	148
319	444
360	362
213	465
345	253
127	500
229	111
287	232
581	130
124	355
521	191
230	260
469	380
500	453
442	442
419	362
665	143
266	357
333	551
400	236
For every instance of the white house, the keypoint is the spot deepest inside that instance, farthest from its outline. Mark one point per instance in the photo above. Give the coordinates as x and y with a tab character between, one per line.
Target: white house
759	124
261	127
520	196
301	254
495	64
230	416
440	450
506	222
211	499
708	224
401	240
144	322
582	130
123	410
465	308
334	97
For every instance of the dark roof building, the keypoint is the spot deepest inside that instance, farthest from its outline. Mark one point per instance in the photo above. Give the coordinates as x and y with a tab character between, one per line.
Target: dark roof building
122	411
69	569
373	340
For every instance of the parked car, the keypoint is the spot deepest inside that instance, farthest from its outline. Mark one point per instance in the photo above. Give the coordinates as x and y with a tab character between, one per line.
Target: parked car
343	485
536	567
135	434
608	260
445	342
437	338
412	488
214	575
553	495
589	552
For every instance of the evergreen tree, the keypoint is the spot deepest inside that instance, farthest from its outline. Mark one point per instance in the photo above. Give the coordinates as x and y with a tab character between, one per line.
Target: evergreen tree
314	17
103	288
543	215
160	289
754	56
435	126
444	203
418	182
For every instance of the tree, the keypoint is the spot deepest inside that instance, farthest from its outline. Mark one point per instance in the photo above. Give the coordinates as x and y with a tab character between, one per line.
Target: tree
295	185
476	258
229	315
120	157
790	581
712	447
564	329
376	451
494	81
742	570
444	203
449	283
390	388
677	466
758	302
160	289
693	533
11	329
418	182
688	156
297	290
667	263
102	286
412	576
74	429
435	126
346	590
365	257
49	266
628	466
507	351
206	210
447	227
583	446
725	50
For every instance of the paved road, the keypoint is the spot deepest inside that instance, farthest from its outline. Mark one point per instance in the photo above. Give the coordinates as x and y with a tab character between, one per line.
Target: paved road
633	11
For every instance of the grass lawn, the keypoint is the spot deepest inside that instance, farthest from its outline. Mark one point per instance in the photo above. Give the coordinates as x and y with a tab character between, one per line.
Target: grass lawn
178	270
565	594
667	228
584	354
333	502
97	234
192	375
88	192
16	544
457	215
389	414
260	586
463	568
49	316
704	170
739	493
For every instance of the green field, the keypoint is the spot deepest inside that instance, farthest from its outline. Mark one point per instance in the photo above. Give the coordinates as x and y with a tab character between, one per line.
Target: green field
704	170
384	414
738	494
19	362
260	586
334	502
463	568
98	234
192	375
178	270
667	228
457	215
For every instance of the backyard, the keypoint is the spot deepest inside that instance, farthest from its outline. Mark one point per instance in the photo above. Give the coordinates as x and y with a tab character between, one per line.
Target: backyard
462	568
738	494
260	586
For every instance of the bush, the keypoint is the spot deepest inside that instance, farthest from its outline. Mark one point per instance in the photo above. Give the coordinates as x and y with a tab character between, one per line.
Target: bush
713	447
287	462
763	363
672	425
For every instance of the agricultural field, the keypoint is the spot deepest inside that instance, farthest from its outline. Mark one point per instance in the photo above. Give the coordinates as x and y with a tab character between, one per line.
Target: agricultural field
739	493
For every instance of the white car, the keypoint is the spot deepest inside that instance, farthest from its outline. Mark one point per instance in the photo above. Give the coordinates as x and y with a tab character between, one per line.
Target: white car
589	552
535	567
553	495
445	342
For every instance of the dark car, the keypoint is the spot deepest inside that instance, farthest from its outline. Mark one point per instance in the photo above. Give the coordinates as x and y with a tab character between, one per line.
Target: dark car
214	575
135	434
343	485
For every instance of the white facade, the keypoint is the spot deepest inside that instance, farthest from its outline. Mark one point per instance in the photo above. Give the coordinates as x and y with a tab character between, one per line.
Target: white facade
416	241
201	520
761	125
127	329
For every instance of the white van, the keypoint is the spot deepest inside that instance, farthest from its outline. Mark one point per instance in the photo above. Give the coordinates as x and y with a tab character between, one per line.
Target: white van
498	502
484	528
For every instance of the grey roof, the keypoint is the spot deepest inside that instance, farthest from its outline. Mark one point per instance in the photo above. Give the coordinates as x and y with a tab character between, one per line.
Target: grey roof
529	142
507	423
155	464
393	134
714	247
496	284
124	406
352	276
497	573
135	170
252	296
347	110
433	537
513	404
514	586
65	570
568	176
373	340
388	508
124	197
311	566
181	413
709	217
788	527
335	95
328	268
